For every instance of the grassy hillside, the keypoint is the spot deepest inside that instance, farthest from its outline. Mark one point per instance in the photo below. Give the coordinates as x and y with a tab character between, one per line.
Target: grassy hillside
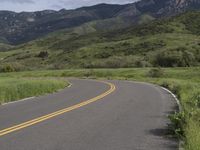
5	47
172	42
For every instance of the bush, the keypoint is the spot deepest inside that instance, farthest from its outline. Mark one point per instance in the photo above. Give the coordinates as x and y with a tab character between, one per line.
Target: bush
179	57
88	73
194	99
43	54
7	68
155	73
142	63
174	87
111	62
177	122
11	67
157	27
103	54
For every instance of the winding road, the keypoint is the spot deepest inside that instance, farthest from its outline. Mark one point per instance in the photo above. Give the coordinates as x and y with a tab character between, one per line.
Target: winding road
90	115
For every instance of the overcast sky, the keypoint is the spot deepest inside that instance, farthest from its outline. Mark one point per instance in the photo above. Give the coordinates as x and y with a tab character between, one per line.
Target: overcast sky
33	5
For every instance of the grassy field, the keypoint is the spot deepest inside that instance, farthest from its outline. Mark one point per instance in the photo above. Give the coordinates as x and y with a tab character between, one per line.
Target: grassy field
12	89
184	82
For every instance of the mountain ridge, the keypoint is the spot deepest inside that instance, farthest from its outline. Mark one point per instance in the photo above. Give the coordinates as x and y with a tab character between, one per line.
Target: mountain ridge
17	28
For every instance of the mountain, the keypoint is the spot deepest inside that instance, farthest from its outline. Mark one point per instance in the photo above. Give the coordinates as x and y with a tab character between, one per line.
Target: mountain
167	42
17	28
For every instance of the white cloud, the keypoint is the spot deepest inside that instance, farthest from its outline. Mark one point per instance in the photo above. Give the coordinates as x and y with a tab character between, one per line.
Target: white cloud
17	1
78	3
33	5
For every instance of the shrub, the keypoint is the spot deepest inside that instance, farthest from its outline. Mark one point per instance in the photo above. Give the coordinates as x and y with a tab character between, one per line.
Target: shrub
194	99
156	27
7	68
155	73
175	58
174	87
11	67
88	73
103	54
43	54
142	63
177	123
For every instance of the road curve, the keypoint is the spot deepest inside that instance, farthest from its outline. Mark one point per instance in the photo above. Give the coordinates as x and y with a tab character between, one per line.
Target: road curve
90	115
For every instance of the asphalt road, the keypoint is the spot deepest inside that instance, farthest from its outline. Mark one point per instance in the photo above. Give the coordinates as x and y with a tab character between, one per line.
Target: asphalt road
90	115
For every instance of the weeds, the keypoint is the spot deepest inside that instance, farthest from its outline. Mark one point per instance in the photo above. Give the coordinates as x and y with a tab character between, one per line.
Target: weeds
15	89
176	127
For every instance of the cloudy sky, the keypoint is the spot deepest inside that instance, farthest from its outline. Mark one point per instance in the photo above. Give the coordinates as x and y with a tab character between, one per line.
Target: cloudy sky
33	5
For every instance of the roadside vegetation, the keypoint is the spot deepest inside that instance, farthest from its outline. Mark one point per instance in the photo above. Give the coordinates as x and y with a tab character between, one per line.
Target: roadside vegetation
184	82
12	89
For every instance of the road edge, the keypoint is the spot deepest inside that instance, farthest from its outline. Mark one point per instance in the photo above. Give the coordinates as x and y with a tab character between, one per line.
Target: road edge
180	142
175	97
179	109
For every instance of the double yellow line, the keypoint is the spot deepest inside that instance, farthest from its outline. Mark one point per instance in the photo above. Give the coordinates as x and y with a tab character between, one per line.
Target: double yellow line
57	113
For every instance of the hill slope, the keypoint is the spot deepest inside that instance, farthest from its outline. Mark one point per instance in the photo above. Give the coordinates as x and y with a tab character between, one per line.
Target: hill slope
167	42
17	28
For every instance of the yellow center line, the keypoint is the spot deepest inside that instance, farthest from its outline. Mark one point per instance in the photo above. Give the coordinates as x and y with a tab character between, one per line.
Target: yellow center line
57	113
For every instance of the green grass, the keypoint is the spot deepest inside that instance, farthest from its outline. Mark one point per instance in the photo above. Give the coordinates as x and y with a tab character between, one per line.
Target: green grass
184	82
12	89
192	135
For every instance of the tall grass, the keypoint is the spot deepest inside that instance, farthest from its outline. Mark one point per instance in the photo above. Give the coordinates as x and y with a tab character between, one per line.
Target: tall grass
190	97
192	135
12	89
